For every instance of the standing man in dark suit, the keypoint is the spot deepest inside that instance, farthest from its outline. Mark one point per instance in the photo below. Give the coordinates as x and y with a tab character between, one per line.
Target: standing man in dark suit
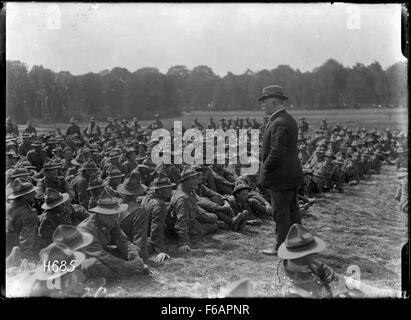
280	170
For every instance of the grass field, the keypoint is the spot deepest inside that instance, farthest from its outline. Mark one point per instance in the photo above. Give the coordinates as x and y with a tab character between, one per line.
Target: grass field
368	118
362	227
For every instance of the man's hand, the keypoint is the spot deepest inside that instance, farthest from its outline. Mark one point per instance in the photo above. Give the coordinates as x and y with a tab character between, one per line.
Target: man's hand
161	257
183	249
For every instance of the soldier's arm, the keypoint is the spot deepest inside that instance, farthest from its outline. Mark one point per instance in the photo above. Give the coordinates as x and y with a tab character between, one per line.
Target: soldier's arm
158	216
67	188
80	213
126	247
27	237
258	208
46	231
181	226
83	196
118	265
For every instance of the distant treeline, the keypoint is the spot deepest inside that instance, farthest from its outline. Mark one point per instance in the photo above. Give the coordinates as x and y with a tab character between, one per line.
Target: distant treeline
41	93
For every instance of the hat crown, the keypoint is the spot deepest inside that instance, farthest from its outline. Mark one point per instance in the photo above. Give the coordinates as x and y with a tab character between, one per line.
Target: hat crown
52	195
113	172
20	171
240	185
95	181
188	172
133	181
107	200
19	185
161	180
90	165
298	237
68	235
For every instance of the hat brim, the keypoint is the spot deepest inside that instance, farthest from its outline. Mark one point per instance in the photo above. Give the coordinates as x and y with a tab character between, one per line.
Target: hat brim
104	184
171	185
278	96
121	208
242	188
190	176
74	161
65	197
40	274
12	197
284	253
52	168
140	190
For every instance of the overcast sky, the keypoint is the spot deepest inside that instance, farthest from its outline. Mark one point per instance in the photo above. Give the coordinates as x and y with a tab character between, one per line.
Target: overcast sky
227	37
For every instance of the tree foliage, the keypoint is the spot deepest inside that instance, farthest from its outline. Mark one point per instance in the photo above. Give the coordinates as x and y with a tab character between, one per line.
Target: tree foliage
40	93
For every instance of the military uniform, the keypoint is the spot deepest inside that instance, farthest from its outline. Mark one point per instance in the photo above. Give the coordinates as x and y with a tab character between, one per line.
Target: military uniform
253	206
59	184
79	186
134	222
24	148
37	158
157	211
72	130
50	219
21	229
184	218
102	260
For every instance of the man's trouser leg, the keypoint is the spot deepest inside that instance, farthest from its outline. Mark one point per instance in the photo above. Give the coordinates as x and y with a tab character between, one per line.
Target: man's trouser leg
285	211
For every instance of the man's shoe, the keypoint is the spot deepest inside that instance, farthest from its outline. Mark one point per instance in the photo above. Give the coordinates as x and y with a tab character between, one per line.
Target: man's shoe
254	222
270	251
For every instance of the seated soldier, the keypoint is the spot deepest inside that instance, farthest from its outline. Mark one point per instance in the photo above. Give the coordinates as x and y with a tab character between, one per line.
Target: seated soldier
224	181
111	255
241	202
155	203
185	218
146	170
376	162
327	175
52	180
58	211
170	170
114	161
80	183
114	179
302	274
351	172
21	219
134	220
95	188
130	164
74	170
211	201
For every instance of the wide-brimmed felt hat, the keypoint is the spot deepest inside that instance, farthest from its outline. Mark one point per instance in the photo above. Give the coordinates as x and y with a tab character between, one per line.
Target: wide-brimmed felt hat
299	243
95	182
114	155
330	154
72	120
188	172
53	198
272	91
90	165
79	160
20	172
12	153
161	181
57	252
72	236
49	164
23	162
92	119
240	185
113	173
132	185
109	119
20	187
319	174
148	164
108	204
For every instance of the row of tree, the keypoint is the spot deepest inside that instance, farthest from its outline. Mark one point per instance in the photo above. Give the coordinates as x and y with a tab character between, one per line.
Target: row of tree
40	93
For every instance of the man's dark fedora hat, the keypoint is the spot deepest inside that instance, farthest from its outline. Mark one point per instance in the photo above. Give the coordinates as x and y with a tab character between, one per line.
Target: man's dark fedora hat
272	91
